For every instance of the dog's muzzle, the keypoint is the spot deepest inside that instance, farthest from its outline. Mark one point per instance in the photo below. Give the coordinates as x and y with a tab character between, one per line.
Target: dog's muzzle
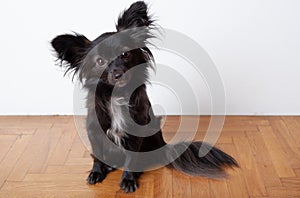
118	78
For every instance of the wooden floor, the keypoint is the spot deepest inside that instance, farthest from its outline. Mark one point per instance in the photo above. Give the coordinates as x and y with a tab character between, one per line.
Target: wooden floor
44	157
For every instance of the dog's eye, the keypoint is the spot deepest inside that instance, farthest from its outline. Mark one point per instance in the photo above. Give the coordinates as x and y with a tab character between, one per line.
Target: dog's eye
100	61
125	54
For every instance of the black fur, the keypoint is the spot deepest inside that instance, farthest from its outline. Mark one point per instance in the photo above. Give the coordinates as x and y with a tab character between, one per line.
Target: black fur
211	165
135	16
84	57
71	49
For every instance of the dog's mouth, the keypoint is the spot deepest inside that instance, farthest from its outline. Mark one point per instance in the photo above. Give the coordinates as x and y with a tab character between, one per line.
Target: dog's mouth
119	81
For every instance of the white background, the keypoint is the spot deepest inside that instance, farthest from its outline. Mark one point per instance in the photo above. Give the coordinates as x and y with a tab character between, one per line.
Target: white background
255	45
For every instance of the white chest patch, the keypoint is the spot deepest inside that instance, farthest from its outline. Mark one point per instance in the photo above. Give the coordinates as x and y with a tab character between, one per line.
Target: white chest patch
117	130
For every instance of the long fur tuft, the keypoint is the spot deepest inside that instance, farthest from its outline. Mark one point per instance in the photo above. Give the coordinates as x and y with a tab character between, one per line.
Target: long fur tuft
135	16
211	165
137	22
70	50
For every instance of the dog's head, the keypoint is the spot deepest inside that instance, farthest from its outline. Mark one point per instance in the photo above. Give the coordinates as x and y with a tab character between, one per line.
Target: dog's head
112	56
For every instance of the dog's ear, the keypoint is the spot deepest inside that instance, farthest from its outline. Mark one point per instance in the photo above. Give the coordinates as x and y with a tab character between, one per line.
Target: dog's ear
135	16
71	49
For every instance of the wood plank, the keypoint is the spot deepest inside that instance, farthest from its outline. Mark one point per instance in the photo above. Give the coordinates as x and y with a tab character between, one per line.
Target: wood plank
10	160
279	158
54	136
34	153
218	188
231	134
16	130
235	180
62	148
87	154
43	152
283	192
6	141
10	121
163	183
108	187
39	120
297	172
78	149
200	187
36	177
121	194
79	161
181	185
146	185
293	126
45	186
69	168
263	159
293	182
287	142
253	179
61	194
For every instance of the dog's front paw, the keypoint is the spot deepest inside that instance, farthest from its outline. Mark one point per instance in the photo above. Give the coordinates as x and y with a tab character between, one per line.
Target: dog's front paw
129	185
95	177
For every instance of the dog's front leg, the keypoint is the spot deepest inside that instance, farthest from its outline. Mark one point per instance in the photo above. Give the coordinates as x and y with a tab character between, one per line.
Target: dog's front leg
130	176
99	171
96	137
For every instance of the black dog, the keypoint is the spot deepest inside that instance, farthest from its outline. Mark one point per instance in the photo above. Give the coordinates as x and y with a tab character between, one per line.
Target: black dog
114	70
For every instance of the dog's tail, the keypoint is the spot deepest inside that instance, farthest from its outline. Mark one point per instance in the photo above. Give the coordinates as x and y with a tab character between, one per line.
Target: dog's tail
208	161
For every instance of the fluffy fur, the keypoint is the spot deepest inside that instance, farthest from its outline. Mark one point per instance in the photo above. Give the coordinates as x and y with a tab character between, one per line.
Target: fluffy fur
118	123
107	117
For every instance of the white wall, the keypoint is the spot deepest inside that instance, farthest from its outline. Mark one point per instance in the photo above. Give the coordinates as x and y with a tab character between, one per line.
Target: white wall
255	45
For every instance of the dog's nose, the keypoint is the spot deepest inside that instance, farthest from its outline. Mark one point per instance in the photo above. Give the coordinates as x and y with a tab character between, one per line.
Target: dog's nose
117	75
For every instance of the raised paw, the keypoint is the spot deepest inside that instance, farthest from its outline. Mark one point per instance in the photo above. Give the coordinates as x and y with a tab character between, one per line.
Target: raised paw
95	177
129	185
